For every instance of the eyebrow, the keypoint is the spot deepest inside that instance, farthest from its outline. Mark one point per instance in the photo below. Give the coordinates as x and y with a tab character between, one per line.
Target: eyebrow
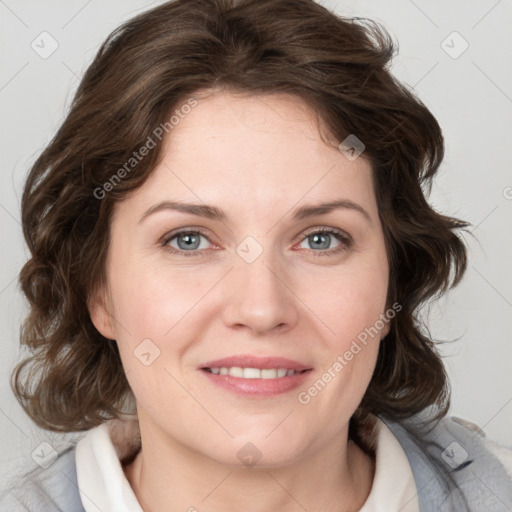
212	212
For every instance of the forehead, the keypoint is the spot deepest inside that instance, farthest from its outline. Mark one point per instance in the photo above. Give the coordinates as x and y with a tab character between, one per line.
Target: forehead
258	152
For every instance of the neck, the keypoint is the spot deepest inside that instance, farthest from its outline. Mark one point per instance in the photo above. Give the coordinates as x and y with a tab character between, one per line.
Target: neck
167	476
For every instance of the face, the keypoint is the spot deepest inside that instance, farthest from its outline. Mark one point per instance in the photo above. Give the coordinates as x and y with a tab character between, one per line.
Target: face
211	305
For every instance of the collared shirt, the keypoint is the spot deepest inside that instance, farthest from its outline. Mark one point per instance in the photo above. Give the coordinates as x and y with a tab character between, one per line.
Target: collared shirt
104	486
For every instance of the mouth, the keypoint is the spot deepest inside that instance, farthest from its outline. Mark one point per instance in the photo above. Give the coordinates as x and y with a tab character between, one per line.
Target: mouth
254	373
253	376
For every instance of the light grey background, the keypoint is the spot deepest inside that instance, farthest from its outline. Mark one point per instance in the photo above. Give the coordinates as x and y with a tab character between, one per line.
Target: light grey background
471	96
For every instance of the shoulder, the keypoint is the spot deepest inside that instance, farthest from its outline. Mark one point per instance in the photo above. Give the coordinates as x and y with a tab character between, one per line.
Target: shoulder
453	462
50	487
502	453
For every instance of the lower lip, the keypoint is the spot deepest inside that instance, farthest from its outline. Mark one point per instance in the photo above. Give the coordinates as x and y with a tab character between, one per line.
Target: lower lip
258	387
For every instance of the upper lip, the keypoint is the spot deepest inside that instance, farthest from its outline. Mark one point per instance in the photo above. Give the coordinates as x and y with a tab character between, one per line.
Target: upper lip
248	361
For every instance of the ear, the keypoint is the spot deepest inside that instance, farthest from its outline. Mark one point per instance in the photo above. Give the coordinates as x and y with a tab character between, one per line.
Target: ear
100	312
385	330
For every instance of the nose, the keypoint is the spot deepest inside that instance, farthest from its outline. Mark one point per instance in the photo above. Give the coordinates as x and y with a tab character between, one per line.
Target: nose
259	297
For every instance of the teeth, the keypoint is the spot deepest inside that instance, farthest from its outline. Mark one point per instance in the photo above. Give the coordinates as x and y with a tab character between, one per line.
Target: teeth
254	373
269	374
236	371
251	373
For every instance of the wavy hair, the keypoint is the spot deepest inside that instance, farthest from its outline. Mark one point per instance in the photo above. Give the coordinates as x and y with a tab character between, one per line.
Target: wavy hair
73	378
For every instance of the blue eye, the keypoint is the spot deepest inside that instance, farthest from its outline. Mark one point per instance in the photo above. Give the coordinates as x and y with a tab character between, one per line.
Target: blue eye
322	239
189	242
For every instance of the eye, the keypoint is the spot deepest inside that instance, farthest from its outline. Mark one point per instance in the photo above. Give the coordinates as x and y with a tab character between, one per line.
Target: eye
320	241
193	242
186	243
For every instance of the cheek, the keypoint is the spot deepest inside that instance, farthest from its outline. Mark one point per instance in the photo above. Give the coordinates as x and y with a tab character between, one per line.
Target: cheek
158	315
351	306
149	302
149	310
350	301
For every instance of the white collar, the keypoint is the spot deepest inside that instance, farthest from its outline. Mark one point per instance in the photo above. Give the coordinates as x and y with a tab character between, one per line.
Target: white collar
104	486
393	485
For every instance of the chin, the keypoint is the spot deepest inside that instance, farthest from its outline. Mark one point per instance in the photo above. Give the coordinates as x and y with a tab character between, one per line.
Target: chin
258	452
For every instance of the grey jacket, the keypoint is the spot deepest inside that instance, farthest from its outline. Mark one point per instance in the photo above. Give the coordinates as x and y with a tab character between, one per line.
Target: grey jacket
452	467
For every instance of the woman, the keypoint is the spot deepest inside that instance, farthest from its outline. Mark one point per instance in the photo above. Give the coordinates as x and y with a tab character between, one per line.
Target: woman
230	244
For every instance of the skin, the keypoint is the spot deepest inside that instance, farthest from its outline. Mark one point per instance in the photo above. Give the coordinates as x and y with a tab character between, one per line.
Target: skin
258	158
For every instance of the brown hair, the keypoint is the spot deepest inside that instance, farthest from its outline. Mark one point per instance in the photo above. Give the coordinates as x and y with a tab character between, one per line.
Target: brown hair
73	379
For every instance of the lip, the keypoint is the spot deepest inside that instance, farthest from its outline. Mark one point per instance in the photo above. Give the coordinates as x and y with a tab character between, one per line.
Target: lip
256	388
248	361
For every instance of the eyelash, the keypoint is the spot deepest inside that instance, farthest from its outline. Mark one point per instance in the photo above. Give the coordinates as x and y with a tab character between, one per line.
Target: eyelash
344	239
